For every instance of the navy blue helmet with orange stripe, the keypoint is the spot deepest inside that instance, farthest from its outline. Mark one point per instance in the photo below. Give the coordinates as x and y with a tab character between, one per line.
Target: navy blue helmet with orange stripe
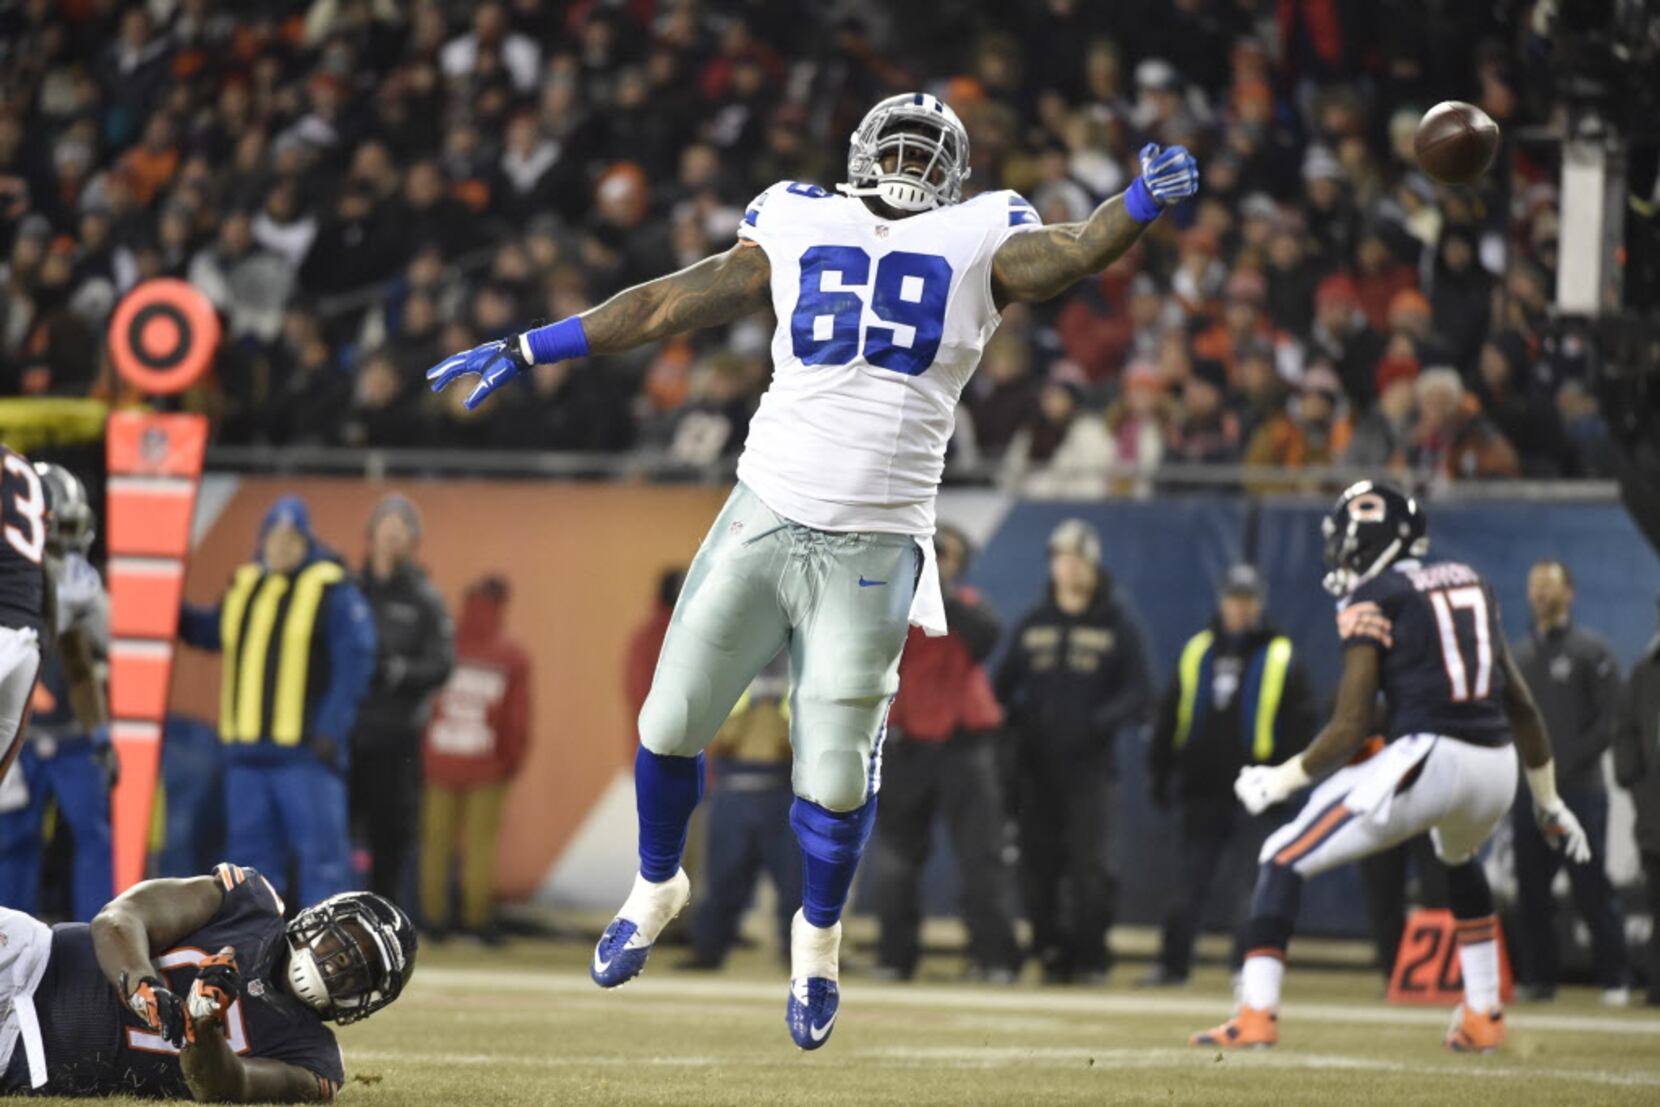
1372	526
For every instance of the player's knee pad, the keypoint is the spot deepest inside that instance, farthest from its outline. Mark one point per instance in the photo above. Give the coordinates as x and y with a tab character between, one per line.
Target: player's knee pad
837	780
1468	893
1278	892
666	724
837	837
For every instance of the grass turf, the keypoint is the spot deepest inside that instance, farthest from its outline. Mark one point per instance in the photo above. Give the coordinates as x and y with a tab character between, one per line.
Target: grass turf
525	1026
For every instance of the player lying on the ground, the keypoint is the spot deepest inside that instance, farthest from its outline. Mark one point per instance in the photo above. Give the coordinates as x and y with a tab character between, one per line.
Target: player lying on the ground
196	988
885	297
1426	634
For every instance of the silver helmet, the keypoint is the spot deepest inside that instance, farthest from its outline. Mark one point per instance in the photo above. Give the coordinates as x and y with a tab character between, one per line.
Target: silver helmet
70	523
929	148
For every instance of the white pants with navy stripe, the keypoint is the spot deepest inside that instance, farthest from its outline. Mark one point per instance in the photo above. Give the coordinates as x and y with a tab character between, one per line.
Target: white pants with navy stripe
25	947
1455	790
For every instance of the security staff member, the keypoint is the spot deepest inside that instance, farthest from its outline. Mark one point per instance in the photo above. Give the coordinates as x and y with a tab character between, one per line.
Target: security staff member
416	652
1637	767
1240	697
1575	679
299	649
1075	673
940	757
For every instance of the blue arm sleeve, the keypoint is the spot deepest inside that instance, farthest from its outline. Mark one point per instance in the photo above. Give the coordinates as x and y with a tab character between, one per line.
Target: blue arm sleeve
351	646
199	626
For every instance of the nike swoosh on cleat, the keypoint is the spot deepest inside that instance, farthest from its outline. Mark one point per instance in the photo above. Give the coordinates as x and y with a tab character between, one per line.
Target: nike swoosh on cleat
819	1033
863	583
600	966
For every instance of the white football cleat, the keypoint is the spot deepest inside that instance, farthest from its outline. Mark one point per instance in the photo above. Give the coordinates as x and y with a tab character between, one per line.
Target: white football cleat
815	960
625	945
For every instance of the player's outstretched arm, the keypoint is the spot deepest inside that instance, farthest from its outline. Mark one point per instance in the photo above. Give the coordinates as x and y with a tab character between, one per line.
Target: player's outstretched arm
1038	264
1259	787
715	290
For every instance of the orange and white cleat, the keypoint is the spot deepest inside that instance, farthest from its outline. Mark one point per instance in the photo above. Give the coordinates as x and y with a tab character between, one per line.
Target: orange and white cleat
1250	1028
1475	1032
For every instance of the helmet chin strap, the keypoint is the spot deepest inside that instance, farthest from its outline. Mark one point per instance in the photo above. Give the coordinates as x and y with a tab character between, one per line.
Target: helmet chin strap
1341	581
305	980
896	190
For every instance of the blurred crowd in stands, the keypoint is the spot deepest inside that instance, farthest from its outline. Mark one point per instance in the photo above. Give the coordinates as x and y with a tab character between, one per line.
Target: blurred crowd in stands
363	186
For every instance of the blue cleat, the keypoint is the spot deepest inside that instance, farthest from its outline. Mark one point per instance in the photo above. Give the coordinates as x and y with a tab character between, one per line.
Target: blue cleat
815	954
812	1010
621	953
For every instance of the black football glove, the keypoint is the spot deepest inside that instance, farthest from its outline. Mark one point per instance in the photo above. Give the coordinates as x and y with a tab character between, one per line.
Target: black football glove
157	1006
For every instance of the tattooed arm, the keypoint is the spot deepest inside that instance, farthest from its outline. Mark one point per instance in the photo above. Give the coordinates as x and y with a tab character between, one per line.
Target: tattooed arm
716	290
1036	265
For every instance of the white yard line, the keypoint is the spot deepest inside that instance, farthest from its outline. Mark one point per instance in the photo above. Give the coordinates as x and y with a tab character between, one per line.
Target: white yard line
950	1000
1048	1057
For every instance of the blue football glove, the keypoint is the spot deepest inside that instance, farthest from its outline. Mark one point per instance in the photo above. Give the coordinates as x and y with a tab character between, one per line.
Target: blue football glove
1171	174
496	363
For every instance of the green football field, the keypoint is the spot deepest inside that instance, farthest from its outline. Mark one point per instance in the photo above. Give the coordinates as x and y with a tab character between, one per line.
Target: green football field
525	1025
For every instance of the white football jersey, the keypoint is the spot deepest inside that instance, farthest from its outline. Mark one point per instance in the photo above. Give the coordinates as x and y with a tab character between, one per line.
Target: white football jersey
880	324
82	603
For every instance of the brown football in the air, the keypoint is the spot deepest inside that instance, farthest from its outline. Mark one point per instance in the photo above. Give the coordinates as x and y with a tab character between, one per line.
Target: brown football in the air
1456	142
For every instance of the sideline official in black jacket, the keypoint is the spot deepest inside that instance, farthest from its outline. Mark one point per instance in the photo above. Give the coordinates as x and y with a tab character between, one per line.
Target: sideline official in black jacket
1575	679
1241	697
1074	674
1637	767
417	651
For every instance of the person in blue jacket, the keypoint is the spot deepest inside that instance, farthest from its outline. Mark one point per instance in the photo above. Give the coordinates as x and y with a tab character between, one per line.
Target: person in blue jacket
299	650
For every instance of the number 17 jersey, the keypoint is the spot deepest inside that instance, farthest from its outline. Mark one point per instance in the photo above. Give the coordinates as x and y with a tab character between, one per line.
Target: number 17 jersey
881	322
1442	670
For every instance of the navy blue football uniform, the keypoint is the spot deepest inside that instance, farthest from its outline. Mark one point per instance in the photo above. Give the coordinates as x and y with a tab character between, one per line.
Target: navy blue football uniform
1437	625
22	543
96	1046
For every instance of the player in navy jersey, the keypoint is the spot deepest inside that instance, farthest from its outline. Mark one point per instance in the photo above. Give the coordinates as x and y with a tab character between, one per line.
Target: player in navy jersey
1426	637
196	988
22	594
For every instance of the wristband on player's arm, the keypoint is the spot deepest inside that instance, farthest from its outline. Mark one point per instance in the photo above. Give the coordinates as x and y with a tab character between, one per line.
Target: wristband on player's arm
1139	202
1542	783
559	341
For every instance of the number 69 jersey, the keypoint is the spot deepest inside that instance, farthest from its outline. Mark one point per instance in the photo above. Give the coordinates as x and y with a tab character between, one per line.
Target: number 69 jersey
1438	628
880	325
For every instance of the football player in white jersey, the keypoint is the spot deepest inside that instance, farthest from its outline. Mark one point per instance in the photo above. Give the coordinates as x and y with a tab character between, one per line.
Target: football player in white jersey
885	297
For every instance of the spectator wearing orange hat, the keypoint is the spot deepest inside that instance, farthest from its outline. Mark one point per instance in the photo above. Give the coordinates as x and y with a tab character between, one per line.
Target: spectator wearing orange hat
1341	335
1411	316
1244	323
1381	437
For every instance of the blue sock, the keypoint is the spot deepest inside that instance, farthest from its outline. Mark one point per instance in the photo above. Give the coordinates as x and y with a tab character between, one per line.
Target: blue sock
666	790
831	844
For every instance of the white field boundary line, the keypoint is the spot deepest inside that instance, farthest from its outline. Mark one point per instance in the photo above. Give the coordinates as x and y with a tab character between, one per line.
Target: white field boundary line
1045	1057
948	1000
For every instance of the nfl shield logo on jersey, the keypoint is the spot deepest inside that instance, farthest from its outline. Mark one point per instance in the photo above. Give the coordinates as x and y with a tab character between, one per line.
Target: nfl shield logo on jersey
881	230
